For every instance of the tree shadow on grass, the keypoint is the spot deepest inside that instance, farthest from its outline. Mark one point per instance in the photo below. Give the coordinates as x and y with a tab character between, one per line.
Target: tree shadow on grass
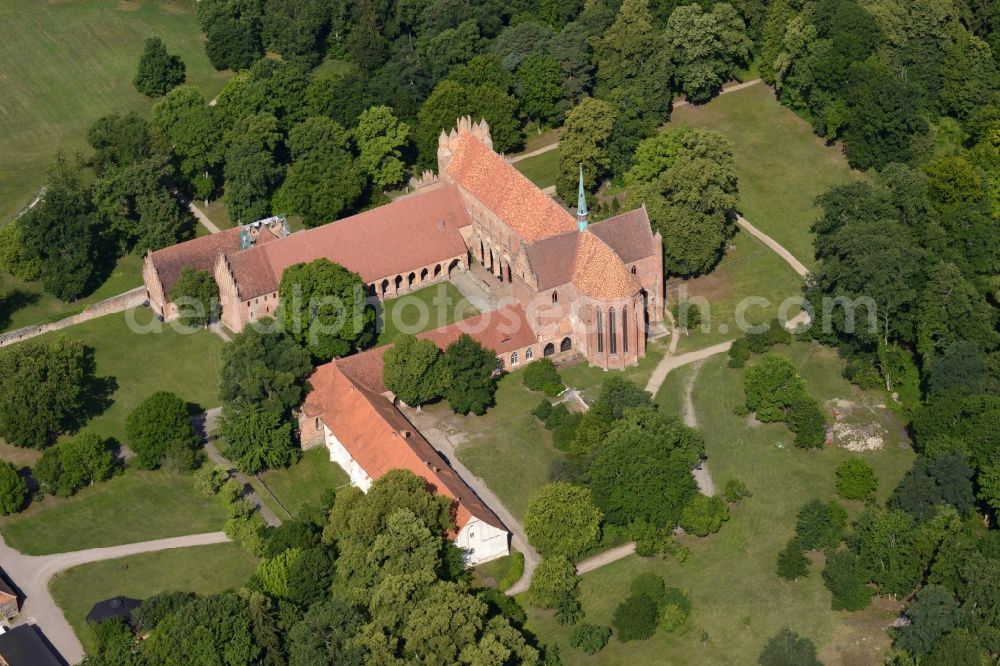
96	395
13	301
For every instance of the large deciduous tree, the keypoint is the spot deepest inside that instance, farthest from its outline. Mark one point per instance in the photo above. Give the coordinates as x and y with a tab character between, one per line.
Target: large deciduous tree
413	370
160	427
380	138
707	47
562	520
13	489
263	368
471	374
251	171
67	467
257	438
195	131
196	296
584	141
158	71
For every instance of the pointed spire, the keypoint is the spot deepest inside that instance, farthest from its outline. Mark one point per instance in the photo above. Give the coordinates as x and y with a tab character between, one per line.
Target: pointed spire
581	204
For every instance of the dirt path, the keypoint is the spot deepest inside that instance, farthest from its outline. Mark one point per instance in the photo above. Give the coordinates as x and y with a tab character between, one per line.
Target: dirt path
706	486
671	362
31	574
796	265
202	218
605	558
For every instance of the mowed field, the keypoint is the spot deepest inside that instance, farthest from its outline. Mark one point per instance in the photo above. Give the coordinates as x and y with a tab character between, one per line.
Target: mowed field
64	64
782	166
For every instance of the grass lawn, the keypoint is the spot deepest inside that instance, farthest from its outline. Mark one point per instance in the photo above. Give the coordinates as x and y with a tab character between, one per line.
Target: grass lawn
27	303
302	483
587	379
132	507
422	310
533	140
203	570
737	597
142	364
749	272
540	169
782	166
66	64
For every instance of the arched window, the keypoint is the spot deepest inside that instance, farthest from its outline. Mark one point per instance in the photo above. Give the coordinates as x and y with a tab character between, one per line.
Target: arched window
600	331
549	350
625	330
513	359
612	332
633	270
529	354
565	345
555	297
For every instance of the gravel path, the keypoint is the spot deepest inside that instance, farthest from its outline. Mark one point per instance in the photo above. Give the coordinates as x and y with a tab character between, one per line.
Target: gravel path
796	265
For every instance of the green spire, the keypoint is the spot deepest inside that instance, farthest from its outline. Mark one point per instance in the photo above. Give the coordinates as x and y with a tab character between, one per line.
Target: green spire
581	204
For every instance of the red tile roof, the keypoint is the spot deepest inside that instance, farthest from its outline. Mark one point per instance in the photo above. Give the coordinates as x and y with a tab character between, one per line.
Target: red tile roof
381	439
200	253
504	190
629	235
599	273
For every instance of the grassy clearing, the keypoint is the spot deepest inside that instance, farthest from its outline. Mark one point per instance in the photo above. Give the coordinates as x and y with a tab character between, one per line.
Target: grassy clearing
132	507
534	140
782	166
425	309
141	364
301	484
203	570
749	272
587	379
541	169
737	597
66	64
27	303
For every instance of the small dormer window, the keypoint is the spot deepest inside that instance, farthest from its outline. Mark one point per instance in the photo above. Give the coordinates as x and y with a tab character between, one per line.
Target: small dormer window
555	296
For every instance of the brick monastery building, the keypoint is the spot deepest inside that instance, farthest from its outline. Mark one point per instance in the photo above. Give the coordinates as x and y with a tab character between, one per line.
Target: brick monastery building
592	289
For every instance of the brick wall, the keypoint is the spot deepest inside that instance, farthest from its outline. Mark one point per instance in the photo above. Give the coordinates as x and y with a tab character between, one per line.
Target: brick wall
119	303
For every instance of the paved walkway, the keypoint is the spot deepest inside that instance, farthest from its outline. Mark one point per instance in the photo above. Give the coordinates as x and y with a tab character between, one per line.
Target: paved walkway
31	574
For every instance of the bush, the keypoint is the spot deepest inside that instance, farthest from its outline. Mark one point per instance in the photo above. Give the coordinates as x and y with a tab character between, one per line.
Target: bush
787	648
209	480
564	434
160	427
862	374
67	467
589	637
635	618
672	617
542	411
772	386
651	540
806	420
776	334
856	479
541	375
820	525
792	563
736	490
739	353
562	520
13	489
704	515
158	71
649	584
554	580
687	315
847	581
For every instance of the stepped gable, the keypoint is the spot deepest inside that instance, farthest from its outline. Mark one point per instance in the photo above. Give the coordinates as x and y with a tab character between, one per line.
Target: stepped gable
380	439
506	192
503	330
396	238
599	273
199	253
629	235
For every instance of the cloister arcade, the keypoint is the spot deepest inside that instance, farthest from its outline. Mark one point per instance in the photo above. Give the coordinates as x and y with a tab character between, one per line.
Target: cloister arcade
402	283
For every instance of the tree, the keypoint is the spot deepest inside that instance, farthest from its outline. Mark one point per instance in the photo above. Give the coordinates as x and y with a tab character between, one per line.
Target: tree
232	30
856	479
589	637
45	390
882	119
787	648
322	635
120	140
961	646
67	467
946	479
323	181
267	369
584	141
14	256
554	580
807	421
311	575
643	469
446	103
196	296
792	563
323	308
471	372
617	395
704	515
380	137
539	87
195	131
772	386
933	613
414	370
294	28
820	525
706	48
158	71
13	489
273	572
884	544
635	618
950	309
562	520
257	438
212	630
847	581
541	375
160	427
518	42
251	172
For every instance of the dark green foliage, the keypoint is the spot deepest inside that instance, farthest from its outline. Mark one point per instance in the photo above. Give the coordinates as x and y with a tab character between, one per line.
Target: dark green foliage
643	469
792	563
290	534
589	637
773	334
807	421
704	515
945	479
856	479
958	647
635	618
196	296
215	630
264	368
46	389
323	308
13	489
471	371
160	428
617	395
707	48
543	411
541	375
321	636
884	541
772	386
787	648
310	577
233	32
739	353
736	490
158	71
152	610
932	614
820	525
251	170
67	467
562	520
257	438
119	140
413	370
847	581
649	584
554	582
